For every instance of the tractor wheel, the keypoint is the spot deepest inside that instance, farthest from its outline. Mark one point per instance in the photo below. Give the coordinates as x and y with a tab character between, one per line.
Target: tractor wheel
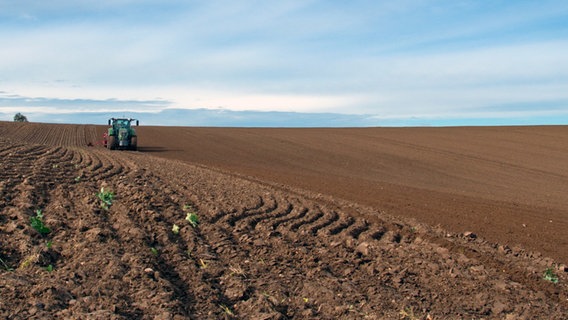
111	143
134	143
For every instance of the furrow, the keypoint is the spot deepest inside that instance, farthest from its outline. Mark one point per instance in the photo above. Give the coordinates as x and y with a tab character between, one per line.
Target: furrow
373	233
288	217
327	220
222	214
29	151
342	225
235	214
251	217
110	167
259	208
7	147
311	217
360	226
275	214
86	160
78	157
47	168
67	156
92	166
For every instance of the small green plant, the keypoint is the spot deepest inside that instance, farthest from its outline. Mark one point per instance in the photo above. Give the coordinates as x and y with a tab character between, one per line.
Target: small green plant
37	223
549	275
49	244
78	178
154	251
192	219
191	216
106	198
175	229
227	310
49	268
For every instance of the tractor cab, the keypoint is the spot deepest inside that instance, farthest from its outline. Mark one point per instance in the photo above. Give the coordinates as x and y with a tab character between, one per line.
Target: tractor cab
120	123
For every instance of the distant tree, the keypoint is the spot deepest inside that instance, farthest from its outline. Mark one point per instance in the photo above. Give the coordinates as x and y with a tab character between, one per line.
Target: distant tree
20	118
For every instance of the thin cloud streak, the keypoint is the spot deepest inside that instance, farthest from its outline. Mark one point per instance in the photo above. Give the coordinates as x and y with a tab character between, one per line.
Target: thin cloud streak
32	105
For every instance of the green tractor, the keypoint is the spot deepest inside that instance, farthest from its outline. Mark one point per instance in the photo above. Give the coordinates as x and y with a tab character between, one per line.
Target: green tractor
121	135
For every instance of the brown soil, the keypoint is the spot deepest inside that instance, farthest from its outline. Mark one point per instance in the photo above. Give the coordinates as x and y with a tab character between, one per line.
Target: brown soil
437	223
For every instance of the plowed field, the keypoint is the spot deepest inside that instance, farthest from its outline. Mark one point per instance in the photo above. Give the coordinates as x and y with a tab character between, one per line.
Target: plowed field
293	224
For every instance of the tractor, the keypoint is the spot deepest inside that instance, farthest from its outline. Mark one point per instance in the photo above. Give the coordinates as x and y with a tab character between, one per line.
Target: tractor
121	135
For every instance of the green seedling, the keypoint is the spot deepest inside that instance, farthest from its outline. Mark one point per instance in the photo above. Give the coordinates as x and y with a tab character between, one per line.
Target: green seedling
549	275
191	216
49	268
37	223
154	251
175	229
49	244
78	178
192	219
55	166
106	198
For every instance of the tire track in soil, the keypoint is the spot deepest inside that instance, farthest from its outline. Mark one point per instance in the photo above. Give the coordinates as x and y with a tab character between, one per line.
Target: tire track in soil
292	213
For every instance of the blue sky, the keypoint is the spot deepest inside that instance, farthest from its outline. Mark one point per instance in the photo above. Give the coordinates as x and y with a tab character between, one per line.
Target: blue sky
405	62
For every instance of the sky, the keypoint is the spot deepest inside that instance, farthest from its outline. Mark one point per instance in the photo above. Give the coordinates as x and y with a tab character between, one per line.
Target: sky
404	62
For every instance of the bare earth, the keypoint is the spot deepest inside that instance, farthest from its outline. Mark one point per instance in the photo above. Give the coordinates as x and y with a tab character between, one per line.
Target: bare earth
379	223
